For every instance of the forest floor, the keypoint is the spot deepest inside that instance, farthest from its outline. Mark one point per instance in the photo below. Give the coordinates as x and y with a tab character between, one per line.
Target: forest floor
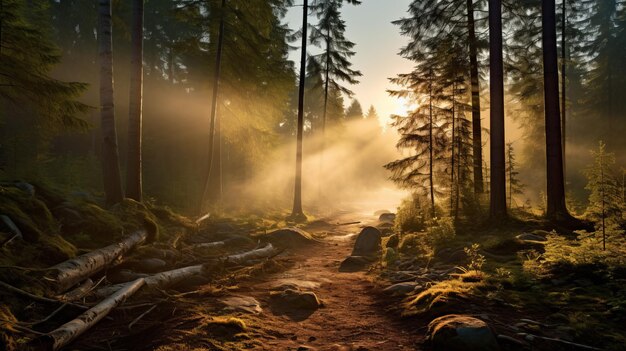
354	315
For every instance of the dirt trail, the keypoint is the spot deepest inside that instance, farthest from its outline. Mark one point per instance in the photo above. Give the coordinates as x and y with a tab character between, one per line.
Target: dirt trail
354	316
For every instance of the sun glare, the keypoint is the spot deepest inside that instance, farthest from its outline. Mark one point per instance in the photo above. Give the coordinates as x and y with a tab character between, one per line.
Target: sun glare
404	105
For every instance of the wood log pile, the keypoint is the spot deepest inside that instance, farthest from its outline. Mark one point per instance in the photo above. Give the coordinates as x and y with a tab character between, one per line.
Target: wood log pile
85	281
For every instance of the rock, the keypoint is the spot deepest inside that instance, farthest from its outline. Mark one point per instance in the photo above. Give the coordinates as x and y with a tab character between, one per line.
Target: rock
368	243
531	237
242	303
288	238
380	212
393	241
355	264
400	289
461	333
387	217
295	304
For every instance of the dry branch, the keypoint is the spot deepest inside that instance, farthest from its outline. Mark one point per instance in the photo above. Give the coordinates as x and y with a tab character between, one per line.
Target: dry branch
65	334
18	291
81	291
65	275
255	254
168	278
202	219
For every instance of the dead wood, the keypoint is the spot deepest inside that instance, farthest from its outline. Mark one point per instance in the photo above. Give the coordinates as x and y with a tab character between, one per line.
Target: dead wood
67	274
69	331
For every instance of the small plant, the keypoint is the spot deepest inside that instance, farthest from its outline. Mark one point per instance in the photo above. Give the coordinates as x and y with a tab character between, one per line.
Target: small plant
441	232
476	259
503	273
410	215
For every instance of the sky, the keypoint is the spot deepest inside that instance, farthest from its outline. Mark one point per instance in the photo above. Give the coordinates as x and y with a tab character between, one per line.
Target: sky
377	44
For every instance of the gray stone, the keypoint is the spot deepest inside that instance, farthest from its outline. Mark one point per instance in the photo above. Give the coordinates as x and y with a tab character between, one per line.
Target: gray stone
368	243
461	333
355	264
291	300
387	217
531	237
288	238
401	289
242	303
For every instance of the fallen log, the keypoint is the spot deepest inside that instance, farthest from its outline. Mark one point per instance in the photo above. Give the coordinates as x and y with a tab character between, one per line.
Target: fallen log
81	291
69	331
202	219
67	274
256	254
168	278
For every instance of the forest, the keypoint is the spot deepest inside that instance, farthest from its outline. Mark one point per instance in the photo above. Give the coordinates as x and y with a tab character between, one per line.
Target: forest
189	175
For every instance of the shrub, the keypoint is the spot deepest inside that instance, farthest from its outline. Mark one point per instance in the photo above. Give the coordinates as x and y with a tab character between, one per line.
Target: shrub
441	232
411	215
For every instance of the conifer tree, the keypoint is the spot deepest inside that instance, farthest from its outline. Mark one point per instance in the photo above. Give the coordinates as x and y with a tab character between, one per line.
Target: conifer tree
134	172
110	153
354	111
515	186
25	76
605	203
371	113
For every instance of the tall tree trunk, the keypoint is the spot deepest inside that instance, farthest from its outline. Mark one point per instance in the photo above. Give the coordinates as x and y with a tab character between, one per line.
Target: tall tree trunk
554	153
497	192
324	114
134	165
296	213
564	83
477	143
216	82
110	154
452	161
430	146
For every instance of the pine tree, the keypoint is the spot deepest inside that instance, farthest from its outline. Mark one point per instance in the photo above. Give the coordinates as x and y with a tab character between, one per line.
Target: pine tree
371	113
297	214
110	154
25	75
498	175
134	169
557	209
605	200
515	186
354	111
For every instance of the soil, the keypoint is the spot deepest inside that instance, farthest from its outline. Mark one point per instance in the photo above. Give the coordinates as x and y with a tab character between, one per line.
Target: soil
354	316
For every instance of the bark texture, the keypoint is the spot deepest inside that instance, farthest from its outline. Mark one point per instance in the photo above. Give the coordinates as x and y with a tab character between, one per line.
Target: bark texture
110	153
477	140
65	275
556	208
134	170
68	332
497	209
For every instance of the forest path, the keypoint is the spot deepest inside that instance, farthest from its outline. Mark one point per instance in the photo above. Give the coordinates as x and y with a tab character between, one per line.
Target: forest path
354	315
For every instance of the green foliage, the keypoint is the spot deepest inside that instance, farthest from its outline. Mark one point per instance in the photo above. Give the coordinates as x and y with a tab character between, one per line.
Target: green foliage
28	57
515	186
411	215
606	206
415	245
476	259
441	232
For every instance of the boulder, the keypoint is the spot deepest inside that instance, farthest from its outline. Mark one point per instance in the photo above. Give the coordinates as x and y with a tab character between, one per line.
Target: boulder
461	333
387	217
401	289
293	301
531	237
368	243
380	212
288	238
355	264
